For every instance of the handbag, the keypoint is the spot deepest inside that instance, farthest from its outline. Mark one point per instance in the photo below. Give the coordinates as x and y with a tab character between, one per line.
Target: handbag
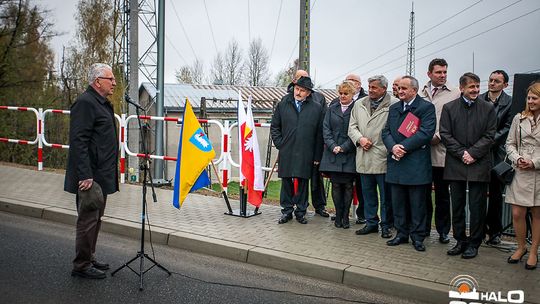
504	171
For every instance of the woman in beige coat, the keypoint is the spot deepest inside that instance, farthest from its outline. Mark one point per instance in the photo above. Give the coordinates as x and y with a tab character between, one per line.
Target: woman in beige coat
523	148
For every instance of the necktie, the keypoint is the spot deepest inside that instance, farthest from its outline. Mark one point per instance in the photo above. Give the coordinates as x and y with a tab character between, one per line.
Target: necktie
407	107
298	106
435	89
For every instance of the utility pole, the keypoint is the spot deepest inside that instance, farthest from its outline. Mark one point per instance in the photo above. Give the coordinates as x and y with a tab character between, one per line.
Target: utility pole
409	70
303	57
158	163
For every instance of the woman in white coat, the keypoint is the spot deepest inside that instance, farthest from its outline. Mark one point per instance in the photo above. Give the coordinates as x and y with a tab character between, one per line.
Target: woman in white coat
523	148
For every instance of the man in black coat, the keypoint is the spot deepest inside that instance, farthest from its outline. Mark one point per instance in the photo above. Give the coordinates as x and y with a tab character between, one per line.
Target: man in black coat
318	195
296	131
498	81
467	129
409	163
92	158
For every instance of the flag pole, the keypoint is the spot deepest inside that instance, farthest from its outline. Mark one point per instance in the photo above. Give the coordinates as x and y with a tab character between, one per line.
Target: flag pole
225	197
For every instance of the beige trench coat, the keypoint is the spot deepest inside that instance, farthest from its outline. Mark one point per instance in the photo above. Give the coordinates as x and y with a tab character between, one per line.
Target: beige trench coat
525	188
444	96
365	124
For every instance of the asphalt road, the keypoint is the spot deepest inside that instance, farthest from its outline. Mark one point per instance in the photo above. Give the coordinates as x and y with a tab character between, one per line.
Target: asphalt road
35	267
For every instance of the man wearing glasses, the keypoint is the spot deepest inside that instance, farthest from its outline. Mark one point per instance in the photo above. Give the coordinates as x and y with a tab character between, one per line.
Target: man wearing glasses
92	164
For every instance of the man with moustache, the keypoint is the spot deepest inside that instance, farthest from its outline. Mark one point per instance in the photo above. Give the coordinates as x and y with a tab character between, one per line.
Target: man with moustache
296	130
498	81
467	129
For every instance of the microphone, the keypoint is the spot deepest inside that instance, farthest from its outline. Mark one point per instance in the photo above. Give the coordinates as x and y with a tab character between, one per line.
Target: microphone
130	101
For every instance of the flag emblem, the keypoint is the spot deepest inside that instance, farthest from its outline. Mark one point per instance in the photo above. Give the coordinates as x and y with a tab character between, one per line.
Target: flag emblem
199	140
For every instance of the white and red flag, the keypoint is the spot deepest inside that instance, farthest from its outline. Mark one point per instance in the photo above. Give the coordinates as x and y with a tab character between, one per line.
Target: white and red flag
251	176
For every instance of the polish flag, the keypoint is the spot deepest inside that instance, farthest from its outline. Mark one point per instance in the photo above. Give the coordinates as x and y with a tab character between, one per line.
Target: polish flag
251	175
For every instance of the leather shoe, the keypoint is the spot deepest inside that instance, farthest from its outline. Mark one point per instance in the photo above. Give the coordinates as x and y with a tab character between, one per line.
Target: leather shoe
531	267
443	238
419	246
100	266
322	213
346	225
397	240
90	273
360	221
470	252
367	230
494	240
284	218
459	248
301	220
385	234
515	261
338	224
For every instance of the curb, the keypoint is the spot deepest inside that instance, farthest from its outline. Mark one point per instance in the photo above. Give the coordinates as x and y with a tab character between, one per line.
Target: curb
395	285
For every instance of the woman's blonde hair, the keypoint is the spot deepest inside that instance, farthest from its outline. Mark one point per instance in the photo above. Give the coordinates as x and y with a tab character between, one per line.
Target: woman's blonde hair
347	86
535	89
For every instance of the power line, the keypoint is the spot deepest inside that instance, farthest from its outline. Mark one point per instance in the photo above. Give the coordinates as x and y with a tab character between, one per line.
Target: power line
275	30
175	49
469	38
184	30
404	43
211	28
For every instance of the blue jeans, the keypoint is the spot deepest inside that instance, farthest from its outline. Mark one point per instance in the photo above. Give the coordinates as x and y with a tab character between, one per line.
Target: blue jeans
370	183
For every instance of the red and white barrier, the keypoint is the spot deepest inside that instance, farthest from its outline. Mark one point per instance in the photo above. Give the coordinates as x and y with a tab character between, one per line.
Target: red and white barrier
37	140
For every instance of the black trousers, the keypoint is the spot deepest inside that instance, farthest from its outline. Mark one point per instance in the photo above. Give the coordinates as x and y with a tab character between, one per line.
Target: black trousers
477	211
409	207
342	194
87	230
442	203
494	208
318	195
359	195
288	199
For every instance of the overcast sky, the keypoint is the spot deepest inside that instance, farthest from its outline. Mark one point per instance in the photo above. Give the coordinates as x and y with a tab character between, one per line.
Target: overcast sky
349	35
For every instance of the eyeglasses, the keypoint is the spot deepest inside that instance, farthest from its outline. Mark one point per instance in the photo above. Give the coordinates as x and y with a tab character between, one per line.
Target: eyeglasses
109	78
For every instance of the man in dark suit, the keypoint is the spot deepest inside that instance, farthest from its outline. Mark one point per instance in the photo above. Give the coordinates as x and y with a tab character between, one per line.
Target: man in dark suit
296	131
467	129
318	194
498	81
409	163
92	158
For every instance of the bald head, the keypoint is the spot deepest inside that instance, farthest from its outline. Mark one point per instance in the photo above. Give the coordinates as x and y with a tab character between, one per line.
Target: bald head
300	73
395	86
355	80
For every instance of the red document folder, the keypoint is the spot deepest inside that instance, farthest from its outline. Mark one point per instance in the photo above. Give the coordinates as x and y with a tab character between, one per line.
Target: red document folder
410	125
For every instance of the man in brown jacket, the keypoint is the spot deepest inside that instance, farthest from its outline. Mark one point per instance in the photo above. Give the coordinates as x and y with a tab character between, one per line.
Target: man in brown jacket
438	92
467	129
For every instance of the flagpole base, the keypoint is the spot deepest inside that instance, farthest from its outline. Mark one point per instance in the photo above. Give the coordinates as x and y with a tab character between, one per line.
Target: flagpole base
239	213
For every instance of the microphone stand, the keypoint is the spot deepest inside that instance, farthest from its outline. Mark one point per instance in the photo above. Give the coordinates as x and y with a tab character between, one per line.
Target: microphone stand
145	166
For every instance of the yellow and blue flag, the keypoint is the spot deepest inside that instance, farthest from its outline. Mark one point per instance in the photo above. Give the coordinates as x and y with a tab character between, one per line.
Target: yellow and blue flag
194	153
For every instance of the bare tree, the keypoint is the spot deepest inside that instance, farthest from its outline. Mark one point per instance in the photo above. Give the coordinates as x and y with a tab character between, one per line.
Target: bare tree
233	64
217	70
197	71
184	75
285	77
257	64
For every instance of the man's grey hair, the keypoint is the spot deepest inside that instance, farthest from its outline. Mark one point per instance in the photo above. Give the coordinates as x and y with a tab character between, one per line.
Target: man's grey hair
414	81
380	78
97	70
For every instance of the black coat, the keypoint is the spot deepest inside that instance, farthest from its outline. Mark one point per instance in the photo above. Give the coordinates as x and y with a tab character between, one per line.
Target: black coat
472	129
414	168
504	120
93	143
335	129
297	136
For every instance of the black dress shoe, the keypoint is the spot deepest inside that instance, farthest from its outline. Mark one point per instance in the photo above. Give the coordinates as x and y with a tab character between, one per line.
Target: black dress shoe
333	218
360	221
367	230
419	246
459	248
470	252
100	266
90	273
443	238
301	220
494	240
322	213
515	261
338	224
284	218
385	234
397	240
346	225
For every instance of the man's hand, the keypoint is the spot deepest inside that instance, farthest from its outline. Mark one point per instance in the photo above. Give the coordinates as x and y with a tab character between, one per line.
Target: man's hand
85	184
398	151
316	163
435	140
467	158
337	149
365	143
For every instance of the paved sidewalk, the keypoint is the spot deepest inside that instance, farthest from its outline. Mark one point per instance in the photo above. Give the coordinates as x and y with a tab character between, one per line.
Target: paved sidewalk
317	249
